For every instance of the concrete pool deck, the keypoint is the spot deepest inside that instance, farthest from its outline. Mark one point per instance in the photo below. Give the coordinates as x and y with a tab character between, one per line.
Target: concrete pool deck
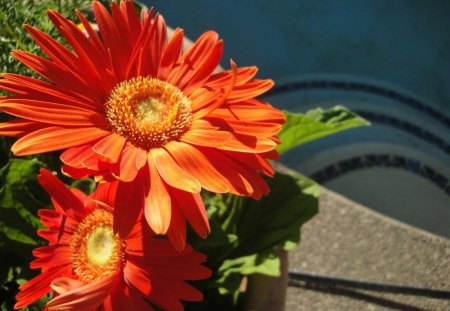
349	240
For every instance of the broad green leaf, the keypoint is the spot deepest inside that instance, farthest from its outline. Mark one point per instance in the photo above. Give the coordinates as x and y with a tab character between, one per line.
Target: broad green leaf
232	270
264	263
275	220
302	128
245	232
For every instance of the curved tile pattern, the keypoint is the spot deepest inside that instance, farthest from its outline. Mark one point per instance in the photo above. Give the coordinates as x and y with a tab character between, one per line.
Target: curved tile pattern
360	87
360	162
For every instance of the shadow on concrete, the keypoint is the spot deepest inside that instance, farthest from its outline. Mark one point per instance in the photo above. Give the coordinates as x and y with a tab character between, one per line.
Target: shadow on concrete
355	294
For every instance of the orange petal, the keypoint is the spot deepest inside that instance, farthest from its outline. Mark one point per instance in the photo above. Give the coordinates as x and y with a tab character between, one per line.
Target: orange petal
55	50
106	193
64	284
60	256
110	147
75	156
55	138
177	229
184	290
249	90
54	72
255	161
91	63
209	138
137	278
260	129
19	127
191	205
193	161
157	203
237	182
68	201
130	201
170	54
202	74
252	144
251	110
111	39
81	298
226	90
38	287
51	113
127	168
32	88
172	173
221	79
192	60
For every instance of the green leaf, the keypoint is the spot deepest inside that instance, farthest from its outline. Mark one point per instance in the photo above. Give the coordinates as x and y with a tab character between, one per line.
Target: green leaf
275	220
302	128
20	198
87	185
232	270
264	263
245	233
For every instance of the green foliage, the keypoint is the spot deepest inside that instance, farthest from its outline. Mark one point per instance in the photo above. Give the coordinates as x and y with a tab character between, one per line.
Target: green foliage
245	234
20	198
14	14
302	128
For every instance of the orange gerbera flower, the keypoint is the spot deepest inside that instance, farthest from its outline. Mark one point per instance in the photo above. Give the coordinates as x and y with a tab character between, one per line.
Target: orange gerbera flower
130	105
87	265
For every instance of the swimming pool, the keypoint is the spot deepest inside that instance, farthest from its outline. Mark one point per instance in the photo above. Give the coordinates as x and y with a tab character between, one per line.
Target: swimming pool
387	60
399	166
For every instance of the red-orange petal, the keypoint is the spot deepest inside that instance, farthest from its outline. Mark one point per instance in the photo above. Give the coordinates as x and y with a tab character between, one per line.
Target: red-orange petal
191	205
195	162
82	298
221	79
249	90
170	54
190	61
158	207
19	127
55	138
129	165
130	201
252	144
38	287
177	229
172	173
51	113
67	200
137	278
110	148
209	138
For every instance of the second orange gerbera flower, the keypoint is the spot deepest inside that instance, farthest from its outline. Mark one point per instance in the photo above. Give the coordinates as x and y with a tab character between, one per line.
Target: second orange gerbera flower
128	104
87	265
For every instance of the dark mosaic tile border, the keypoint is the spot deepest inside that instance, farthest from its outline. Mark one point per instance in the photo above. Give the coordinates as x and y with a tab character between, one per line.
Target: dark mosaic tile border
381	160
361	87
408	127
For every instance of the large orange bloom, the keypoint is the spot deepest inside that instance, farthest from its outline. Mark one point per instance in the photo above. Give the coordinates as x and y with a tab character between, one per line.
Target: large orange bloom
128	104
87	265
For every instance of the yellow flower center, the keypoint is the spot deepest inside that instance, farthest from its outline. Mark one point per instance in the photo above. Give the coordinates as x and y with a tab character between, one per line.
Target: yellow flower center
148	112
96	250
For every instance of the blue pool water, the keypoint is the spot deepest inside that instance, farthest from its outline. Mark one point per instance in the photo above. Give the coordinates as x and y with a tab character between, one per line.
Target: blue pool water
387	60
